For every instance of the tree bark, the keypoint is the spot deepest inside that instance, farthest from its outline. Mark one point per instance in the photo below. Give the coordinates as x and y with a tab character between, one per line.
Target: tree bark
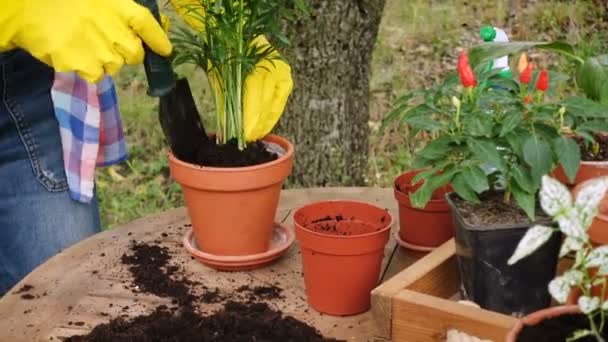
327	114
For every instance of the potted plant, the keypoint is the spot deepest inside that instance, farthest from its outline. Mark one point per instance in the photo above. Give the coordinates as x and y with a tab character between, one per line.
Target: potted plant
588	113
494	138
586	320
342	244
232	189
420	228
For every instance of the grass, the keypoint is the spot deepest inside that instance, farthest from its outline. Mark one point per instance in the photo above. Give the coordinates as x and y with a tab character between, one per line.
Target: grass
418	43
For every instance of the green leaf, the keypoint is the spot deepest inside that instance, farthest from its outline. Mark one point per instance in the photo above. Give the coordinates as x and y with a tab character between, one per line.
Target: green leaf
523	177
538	155
424	194
594	126
585	108
460	185
476	179
479	125
516	141
436	149
525	200
486	150
490	51
511	120
592	77
400	108
569	155
420	118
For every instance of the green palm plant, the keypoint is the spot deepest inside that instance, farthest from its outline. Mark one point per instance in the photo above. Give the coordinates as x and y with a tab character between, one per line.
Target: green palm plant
227	45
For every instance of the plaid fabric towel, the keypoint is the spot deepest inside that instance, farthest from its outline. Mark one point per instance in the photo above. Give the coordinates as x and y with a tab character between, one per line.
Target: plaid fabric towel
90	128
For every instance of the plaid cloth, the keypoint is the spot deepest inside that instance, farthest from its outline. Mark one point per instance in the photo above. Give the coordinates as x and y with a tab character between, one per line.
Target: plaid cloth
90	128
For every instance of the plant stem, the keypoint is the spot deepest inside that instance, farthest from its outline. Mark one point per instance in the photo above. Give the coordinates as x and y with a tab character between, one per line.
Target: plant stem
239	80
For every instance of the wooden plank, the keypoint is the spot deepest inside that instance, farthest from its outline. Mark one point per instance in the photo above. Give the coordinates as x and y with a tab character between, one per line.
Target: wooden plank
412	311
415	275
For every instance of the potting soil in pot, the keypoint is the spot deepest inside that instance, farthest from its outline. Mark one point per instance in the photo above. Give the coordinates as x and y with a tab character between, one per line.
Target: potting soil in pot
338	225
557	329
229	155
587	154
241	318
492	211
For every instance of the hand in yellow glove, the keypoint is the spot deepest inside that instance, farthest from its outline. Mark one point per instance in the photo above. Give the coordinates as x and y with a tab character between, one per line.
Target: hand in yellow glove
267	88
91	37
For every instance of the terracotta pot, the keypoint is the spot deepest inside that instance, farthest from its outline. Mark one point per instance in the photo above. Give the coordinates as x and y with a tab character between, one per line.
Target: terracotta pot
586	171
539	316
232	209
342	245
430	226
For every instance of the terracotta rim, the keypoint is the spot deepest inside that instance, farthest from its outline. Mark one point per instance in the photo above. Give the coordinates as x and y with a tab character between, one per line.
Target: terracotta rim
213	258
538	316
388	223
411	246
269	138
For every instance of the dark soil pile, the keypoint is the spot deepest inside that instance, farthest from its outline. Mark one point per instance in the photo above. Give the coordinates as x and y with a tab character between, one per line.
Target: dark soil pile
152	273
261	292
587	150
229	155
493	211
557	329
236	322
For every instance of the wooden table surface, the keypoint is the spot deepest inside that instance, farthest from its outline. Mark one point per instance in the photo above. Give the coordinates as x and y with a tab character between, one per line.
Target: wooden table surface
88	285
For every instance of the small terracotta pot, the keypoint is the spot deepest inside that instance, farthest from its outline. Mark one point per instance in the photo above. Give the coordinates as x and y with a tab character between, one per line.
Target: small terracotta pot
539	316
586	171
430	226
342	245
232	209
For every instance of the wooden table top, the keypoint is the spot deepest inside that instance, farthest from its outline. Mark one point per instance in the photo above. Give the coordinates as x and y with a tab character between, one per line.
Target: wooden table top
88	284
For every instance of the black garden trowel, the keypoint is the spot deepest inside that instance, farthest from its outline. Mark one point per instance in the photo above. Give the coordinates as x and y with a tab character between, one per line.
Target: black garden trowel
179	118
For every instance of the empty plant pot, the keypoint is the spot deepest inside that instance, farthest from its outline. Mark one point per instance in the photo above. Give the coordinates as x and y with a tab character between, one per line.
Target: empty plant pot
422	228
232	209
342	245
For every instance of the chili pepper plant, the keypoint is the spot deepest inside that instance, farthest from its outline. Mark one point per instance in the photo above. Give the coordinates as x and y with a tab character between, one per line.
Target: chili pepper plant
493	140
228	46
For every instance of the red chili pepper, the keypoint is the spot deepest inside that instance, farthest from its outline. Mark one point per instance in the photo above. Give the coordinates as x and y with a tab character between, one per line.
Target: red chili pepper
542	84
467	77
526	76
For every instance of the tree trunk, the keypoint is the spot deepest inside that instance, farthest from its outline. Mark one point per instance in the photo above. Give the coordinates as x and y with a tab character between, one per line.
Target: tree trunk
328	112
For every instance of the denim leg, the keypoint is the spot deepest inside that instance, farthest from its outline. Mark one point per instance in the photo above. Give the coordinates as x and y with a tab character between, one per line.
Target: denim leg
37	216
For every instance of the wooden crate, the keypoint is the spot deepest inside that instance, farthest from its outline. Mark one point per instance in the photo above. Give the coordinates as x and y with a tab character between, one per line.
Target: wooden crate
418	304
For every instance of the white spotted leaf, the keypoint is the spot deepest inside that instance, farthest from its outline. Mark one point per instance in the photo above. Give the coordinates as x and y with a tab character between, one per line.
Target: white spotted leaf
554	196
534	238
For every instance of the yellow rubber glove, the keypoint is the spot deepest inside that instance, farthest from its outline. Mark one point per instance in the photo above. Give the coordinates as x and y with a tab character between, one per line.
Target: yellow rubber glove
267	88
91	37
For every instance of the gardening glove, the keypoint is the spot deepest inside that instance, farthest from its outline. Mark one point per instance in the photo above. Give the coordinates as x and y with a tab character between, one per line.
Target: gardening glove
267	87
87	36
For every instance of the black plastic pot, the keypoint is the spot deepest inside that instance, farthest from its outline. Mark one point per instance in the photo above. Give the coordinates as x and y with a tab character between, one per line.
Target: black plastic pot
486	278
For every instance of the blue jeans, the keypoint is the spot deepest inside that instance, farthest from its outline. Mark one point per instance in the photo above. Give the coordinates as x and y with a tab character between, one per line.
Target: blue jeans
37	216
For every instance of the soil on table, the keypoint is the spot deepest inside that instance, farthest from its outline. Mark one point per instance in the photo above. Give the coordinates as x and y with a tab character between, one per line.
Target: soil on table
152	273
229	155
557	329
341	226
235	322
494	211
587	149
245	320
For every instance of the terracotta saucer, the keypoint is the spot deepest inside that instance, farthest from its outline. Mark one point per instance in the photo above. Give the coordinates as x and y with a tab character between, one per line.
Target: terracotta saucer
282	238
411	246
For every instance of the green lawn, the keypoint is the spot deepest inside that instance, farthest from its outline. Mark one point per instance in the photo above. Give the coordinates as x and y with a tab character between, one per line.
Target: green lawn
417	44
